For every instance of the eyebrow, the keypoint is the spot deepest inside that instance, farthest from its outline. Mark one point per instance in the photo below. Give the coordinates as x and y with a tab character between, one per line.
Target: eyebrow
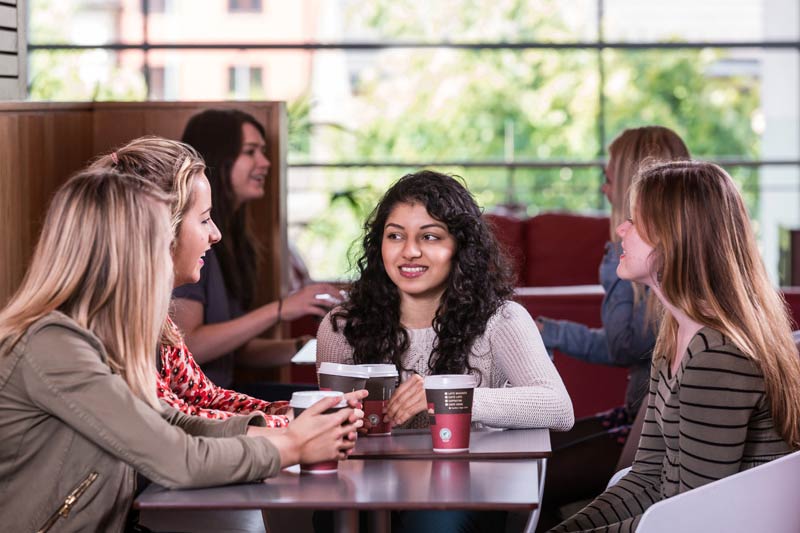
256	144
426	226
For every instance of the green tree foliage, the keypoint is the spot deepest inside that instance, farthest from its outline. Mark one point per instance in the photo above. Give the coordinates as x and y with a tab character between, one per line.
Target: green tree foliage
460	105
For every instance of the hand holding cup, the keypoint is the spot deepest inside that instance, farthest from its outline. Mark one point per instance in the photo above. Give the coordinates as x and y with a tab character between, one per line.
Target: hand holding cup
407	401
324	431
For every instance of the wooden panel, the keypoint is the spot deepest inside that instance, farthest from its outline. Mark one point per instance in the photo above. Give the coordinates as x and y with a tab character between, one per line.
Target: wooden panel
8	16
8	41
38	151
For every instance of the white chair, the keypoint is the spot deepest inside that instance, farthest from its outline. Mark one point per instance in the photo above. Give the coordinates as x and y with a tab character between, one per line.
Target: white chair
764	498
617	476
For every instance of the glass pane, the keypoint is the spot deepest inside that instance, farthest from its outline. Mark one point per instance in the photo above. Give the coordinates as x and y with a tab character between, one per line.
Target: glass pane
452	105
734	104
772	194
86	75
332	21
86	22
404	105
683	20
712	104
469	20
233	74
327	207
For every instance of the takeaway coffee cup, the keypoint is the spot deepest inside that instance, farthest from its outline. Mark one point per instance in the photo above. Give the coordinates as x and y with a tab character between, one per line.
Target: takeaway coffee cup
381	382
300	402
342	378
450	410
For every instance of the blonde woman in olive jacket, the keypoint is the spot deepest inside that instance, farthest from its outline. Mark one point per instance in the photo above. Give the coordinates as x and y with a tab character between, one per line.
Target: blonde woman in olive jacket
78	408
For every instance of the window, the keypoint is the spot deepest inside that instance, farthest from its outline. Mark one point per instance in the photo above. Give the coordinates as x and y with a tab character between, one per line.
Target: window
521	102
157	83
245	82
157	6
244	6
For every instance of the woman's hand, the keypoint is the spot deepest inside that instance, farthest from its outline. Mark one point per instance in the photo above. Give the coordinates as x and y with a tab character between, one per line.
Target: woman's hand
313	436
407	401
354	398
316	299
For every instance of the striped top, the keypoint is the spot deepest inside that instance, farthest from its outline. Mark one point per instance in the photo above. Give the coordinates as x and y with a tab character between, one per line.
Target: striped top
708	421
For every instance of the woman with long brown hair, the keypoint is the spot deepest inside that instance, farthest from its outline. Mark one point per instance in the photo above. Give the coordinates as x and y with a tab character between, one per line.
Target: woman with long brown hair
724	391
217	314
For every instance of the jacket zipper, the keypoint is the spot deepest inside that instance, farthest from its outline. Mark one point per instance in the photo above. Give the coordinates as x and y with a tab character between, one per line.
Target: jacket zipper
69	501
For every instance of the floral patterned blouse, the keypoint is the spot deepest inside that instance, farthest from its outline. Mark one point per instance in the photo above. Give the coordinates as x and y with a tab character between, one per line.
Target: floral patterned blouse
183	385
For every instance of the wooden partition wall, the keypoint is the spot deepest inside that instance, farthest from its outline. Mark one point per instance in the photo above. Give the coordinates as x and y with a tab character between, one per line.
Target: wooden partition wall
42	144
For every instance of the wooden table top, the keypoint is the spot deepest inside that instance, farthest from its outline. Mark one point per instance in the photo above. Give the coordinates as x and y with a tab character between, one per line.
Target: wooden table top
483	444
369	485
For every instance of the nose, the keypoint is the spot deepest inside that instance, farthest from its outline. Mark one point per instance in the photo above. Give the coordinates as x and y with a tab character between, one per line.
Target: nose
214	236
411	249
622	229
262	160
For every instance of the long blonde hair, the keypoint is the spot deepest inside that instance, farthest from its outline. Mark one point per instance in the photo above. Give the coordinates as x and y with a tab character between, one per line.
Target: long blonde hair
709	267
172	166
628	152
103	260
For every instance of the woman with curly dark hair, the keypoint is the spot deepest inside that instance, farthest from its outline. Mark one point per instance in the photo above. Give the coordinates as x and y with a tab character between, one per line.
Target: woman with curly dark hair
433	297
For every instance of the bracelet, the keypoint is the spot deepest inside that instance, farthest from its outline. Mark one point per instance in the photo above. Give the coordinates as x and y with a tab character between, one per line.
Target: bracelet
280	306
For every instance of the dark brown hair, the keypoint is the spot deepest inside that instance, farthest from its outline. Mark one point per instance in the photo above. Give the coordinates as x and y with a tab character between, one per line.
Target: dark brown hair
217	135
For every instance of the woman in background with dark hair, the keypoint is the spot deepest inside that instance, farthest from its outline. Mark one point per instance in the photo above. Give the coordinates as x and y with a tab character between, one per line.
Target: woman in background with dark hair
433	297
216	313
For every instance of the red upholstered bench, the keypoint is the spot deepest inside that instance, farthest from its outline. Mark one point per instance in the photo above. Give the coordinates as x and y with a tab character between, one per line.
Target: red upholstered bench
556	257
553	249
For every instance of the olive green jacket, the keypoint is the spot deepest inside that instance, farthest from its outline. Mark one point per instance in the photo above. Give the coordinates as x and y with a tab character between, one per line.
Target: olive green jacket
72	435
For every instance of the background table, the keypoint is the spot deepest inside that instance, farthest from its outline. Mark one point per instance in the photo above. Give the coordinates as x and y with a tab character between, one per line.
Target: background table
507	485
483	444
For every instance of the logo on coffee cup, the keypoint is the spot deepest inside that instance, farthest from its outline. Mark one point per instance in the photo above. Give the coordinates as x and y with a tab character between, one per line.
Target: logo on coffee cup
374	419
445	434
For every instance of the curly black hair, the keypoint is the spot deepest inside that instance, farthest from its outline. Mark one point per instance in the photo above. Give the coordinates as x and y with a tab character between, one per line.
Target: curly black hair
479	283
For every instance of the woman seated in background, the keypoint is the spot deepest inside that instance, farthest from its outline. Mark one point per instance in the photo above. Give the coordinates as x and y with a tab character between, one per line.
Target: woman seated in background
78	406
585	458
723	393
216	313
433	297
